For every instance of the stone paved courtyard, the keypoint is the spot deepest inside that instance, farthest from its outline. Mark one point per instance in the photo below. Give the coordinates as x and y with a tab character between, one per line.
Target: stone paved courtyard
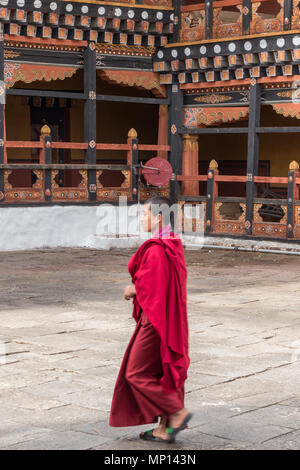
65	326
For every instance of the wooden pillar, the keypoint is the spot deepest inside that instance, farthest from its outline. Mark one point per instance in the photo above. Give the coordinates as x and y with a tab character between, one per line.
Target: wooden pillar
163	130
132	160
2	121
293	194
177	20
212	193
175	141
247	16
287	14
190	164
47	157
209	15
253	152
90	126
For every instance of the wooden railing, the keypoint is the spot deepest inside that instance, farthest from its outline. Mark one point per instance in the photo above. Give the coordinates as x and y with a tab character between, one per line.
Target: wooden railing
234	18
275	218
49	185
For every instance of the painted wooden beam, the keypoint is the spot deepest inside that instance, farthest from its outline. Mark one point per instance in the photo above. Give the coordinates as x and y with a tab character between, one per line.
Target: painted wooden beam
175	141
253	151
90	115
208	19
2	119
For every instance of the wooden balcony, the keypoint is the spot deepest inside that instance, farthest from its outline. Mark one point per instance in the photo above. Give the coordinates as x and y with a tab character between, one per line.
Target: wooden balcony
44	182
235	18
270	217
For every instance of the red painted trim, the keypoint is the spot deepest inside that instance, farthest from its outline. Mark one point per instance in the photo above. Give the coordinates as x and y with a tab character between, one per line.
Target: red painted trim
270	179
154	147
278	79
195	86
191	178
22	144
112	147
58	42
230	178
69	145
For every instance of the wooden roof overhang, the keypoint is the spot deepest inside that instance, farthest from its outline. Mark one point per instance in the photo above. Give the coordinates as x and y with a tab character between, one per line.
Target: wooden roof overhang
100	22
230	61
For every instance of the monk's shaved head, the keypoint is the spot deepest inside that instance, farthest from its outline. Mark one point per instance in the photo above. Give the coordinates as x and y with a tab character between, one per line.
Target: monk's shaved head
160	205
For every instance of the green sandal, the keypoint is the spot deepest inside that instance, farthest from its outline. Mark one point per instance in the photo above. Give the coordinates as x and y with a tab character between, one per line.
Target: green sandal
148	436
173	431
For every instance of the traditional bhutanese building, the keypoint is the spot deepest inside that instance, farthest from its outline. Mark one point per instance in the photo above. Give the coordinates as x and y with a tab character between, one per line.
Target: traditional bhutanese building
90	89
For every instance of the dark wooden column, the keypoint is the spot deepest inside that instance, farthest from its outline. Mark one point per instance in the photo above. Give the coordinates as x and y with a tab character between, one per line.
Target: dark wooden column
47	157
175	141
2	120
177	20
293	194
90	127
287	14
209	15
211	194
253	152
247	16
133	160
175	115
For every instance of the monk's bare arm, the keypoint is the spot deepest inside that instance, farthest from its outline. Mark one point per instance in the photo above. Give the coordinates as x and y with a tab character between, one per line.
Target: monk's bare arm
129	292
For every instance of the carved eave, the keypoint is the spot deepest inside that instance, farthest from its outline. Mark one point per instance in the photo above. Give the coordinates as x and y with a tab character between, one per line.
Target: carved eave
139	25
231	60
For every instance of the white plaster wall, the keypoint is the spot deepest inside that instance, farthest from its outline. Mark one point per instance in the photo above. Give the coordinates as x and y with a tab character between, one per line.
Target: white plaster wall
23	228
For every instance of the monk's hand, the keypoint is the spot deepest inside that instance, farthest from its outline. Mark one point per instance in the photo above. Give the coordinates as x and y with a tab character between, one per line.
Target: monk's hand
129	292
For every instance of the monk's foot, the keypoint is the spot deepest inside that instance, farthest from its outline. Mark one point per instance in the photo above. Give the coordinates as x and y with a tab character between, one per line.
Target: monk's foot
162	434
177	419
156	434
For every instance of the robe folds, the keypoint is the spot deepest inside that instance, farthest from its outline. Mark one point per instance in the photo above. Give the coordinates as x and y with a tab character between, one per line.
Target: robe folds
151	379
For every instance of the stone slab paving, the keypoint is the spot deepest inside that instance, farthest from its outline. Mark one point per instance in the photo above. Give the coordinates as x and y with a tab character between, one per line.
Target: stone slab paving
64	327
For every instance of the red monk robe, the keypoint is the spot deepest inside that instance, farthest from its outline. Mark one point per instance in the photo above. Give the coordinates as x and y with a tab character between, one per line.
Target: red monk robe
151	379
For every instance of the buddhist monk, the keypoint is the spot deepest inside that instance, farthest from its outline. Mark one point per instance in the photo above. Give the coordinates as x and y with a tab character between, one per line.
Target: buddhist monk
150	384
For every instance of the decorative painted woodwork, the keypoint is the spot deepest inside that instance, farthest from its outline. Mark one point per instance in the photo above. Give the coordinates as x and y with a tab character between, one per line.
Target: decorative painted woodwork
227	22
138	79
267	22
14	72
199	116
192	25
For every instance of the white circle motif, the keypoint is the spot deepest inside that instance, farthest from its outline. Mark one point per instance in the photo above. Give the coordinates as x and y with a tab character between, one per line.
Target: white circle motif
296	40
263	43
